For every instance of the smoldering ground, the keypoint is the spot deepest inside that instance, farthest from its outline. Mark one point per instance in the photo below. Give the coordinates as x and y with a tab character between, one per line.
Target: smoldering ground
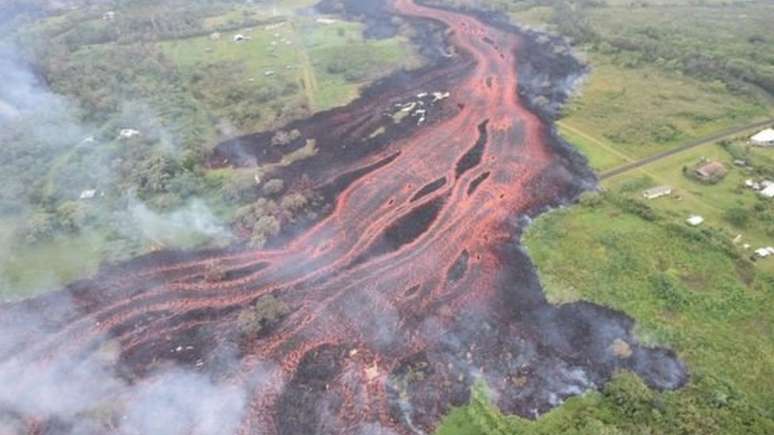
77	394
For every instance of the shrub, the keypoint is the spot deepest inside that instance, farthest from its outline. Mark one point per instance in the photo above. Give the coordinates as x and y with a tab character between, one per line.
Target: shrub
273	186
737	216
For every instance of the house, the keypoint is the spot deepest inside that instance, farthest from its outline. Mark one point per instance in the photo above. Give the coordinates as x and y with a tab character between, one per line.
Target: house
88	194
695	220
764	252
657	192
128	133
763	138
240	38
711	171
768	192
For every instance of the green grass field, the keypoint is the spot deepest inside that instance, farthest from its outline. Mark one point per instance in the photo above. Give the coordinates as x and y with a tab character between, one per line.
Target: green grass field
39	268
629	113
296	52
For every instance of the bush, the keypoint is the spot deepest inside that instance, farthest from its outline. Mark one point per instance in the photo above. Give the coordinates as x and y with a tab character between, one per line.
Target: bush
240	188
265	314
265	228
737	216
273	186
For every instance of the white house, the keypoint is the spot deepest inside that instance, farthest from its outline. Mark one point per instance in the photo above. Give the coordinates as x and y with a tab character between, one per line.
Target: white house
128	133
695	220
88	194
764	138
657	192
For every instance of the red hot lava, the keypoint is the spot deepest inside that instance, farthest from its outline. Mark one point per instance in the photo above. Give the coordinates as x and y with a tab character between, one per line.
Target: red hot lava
407	293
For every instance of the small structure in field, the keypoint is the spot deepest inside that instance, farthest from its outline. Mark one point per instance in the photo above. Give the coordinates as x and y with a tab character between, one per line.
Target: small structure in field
240	38
215	36
88	194
128	133
657	192
326	21
109	16
764	138
695	220
764	252
768	192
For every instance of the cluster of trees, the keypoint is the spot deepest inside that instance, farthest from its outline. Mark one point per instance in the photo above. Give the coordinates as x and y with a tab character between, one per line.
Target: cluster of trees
265	314
263	219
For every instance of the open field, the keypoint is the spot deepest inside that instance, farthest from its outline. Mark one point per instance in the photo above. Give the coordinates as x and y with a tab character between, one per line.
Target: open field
38	268
299	56
629	113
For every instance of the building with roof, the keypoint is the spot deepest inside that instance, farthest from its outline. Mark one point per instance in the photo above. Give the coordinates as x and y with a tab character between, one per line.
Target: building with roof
695	220
711	171
657	192
768	192
764	138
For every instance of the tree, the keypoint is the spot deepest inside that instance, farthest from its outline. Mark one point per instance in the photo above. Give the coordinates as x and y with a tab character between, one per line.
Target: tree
265	314
293	203
71	216
737	216
240	188
39	226
265	228
273	186
282	137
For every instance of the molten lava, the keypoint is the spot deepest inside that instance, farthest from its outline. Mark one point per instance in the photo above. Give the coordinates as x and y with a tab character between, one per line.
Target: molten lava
409	291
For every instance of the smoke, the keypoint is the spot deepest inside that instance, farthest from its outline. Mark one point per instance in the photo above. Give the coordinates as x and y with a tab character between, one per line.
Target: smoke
86	394
27	107
180	402
192	222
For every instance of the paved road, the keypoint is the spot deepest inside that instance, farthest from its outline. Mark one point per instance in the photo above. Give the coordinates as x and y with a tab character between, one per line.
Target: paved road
718	136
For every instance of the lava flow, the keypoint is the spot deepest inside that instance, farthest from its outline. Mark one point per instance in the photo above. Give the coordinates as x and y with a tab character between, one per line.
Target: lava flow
410	290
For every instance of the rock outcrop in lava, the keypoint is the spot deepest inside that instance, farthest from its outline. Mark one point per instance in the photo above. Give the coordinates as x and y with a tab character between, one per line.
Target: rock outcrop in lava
410	288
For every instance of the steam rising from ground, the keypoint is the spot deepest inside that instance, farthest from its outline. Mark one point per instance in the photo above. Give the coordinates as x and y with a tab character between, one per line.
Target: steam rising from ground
194	220
27	107
77	392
